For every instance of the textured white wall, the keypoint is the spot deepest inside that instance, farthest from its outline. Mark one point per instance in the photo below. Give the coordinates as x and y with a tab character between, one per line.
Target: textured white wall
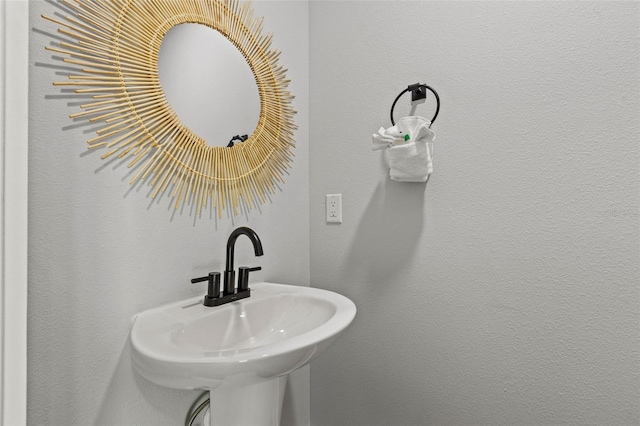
99	251
505	291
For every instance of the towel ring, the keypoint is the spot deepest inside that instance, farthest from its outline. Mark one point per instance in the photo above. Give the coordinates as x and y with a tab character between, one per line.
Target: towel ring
417	93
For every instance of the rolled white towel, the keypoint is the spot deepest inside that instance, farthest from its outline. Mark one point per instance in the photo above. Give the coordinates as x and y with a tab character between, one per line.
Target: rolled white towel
410	151
386	138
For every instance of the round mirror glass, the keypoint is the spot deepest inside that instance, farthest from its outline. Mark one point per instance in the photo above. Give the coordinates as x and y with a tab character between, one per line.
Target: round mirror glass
208	83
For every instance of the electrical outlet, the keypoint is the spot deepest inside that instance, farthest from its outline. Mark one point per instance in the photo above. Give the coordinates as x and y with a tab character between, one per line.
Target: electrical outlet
334	208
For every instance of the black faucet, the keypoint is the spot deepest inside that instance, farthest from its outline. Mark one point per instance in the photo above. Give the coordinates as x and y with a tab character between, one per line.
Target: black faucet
229	293
229	273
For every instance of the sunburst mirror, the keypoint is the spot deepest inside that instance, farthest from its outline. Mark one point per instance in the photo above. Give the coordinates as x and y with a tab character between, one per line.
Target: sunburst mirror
116	45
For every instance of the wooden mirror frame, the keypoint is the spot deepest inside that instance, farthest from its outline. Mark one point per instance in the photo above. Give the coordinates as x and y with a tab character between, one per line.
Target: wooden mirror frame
117	43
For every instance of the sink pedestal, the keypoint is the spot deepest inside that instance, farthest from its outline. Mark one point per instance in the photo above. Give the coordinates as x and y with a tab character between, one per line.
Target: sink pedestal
242	404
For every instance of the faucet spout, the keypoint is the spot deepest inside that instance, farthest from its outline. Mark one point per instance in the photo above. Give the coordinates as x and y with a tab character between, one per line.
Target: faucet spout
229	273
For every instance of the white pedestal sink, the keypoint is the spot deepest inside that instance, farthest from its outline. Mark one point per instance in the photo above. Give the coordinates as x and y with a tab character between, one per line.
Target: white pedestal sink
242	351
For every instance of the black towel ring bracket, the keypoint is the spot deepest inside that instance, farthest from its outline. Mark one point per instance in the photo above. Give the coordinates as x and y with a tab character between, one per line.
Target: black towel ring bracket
418	91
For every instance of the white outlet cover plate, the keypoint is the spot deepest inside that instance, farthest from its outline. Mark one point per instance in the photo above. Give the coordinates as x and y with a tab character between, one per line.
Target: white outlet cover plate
333	208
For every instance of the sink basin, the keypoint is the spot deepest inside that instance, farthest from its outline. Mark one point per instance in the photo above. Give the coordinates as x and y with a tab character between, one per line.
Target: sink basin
249	344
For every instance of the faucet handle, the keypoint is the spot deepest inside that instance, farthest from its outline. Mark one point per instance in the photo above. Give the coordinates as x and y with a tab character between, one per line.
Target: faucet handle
213	287
243	277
